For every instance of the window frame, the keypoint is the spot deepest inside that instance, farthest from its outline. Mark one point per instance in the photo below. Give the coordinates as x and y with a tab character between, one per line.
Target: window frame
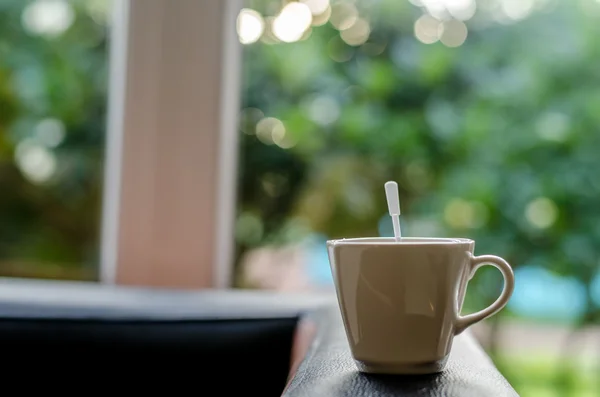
169	204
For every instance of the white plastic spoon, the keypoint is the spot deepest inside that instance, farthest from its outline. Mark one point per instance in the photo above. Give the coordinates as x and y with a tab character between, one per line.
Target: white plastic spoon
393	202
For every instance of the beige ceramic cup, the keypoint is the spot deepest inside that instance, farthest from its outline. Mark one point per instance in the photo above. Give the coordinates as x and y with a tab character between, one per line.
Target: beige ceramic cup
401	301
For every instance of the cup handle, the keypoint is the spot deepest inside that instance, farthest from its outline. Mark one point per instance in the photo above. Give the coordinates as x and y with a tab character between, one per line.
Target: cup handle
464	322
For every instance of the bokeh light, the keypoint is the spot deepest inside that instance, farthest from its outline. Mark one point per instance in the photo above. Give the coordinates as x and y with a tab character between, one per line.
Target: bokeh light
250	26
541	212
436	8
356	34
317	7
442	10
343	15
517	9
323	109
100	11
553	126
462	10
35	161
427	29
282	138
453	33
292	22
50	132
269	127
47	17
323	18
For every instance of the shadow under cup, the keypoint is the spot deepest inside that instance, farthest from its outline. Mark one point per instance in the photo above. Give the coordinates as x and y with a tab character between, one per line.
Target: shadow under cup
401	301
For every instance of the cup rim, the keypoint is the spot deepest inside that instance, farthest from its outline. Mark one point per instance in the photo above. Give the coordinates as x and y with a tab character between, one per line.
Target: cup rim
405	241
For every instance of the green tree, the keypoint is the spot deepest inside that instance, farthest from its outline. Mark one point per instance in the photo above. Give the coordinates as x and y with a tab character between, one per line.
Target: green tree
52	124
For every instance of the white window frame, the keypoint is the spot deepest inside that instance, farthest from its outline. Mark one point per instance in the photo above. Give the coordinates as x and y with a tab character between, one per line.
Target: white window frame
172	146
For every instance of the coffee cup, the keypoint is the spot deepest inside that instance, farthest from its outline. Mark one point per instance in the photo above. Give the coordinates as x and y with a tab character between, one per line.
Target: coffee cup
401	300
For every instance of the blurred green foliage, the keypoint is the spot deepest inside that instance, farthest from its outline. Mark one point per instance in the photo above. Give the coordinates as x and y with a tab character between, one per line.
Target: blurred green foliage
537	376
495	140
53	82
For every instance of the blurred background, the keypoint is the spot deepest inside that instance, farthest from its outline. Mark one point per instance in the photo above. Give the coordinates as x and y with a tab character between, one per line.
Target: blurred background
485	112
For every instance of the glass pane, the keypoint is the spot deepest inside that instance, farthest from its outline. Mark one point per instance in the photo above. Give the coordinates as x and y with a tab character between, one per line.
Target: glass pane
53	86
485	112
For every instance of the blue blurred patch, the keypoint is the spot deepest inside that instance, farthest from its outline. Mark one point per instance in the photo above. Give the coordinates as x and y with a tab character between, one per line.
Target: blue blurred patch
595	289
318	268
385	226
539	294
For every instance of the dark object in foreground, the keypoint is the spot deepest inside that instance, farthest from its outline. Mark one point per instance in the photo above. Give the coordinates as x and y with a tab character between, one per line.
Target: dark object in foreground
217	343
